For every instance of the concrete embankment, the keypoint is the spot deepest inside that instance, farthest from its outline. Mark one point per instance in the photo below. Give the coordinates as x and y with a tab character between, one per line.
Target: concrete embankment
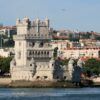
40	84
4	82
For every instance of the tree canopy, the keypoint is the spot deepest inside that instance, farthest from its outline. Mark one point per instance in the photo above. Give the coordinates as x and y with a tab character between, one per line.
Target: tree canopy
5	65
92	66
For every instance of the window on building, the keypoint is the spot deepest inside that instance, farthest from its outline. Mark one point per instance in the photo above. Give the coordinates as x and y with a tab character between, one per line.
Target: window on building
47	52
38	52
33	44
41	44
42	52
57	77
30	64
37	77
64	77
45	77
30	53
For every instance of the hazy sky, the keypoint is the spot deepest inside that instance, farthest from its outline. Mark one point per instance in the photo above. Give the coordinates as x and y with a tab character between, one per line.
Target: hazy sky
83	15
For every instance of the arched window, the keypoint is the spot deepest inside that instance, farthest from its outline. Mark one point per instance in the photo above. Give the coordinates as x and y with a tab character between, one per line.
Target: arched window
30	53
41	44
41	52
33	44
44	52
30	64
38	52
37	77
33	52
64	77
45	77
47	52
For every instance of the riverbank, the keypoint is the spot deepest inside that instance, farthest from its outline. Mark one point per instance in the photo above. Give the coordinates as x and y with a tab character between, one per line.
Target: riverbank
6	82
42	84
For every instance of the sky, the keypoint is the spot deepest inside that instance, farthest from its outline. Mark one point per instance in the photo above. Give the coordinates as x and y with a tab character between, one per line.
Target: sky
82	15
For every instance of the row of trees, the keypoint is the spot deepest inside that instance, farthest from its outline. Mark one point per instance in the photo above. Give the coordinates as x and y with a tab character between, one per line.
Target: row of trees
90	67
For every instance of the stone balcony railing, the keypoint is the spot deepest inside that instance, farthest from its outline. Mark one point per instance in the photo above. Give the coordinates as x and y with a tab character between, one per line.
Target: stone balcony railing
32	36
40	49
24	68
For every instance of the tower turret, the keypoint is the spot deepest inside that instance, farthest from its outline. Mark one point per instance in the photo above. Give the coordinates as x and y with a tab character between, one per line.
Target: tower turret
47	22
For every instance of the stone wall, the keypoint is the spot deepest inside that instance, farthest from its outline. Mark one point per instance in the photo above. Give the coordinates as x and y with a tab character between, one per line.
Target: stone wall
5	81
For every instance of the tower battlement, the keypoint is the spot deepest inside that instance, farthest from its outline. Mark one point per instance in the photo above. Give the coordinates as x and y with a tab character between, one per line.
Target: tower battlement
25	26
37	22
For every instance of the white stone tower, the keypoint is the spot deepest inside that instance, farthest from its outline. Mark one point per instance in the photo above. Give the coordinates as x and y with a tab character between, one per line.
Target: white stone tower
33	53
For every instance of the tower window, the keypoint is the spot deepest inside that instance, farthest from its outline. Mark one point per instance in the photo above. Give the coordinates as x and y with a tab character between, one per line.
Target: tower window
39	53
57	77
48	53
30	53
30	64
64	77
41	44
33	44
45	77
44	52
37	77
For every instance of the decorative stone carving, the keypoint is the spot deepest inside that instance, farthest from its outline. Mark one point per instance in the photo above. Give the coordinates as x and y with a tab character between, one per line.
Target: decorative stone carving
70	68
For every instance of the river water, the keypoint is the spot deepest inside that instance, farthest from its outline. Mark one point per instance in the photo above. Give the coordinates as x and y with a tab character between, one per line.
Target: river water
49	93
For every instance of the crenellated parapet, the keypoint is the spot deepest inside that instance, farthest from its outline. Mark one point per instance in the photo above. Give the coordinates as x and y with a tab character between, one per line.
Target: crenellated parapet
25	21
37	27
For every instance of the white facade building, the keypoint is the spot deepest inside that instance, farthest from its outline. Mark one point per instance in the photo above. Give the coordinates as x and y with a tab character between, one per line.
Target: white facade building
77	53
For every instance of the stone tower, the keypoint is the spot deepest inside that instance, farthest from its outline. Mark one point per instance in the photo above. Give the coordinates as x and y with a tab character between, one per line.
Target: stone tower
33	53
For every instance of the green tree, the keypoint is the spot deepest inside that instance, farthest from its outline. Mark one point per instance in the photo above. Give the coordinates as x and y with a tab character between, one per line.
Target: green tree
5	65
92	66
64	62
55	52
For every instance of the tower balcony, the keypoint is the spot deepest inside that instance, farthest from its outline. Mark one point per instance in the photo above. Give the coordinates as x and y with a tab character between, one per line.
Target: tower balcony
32	36
40	53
